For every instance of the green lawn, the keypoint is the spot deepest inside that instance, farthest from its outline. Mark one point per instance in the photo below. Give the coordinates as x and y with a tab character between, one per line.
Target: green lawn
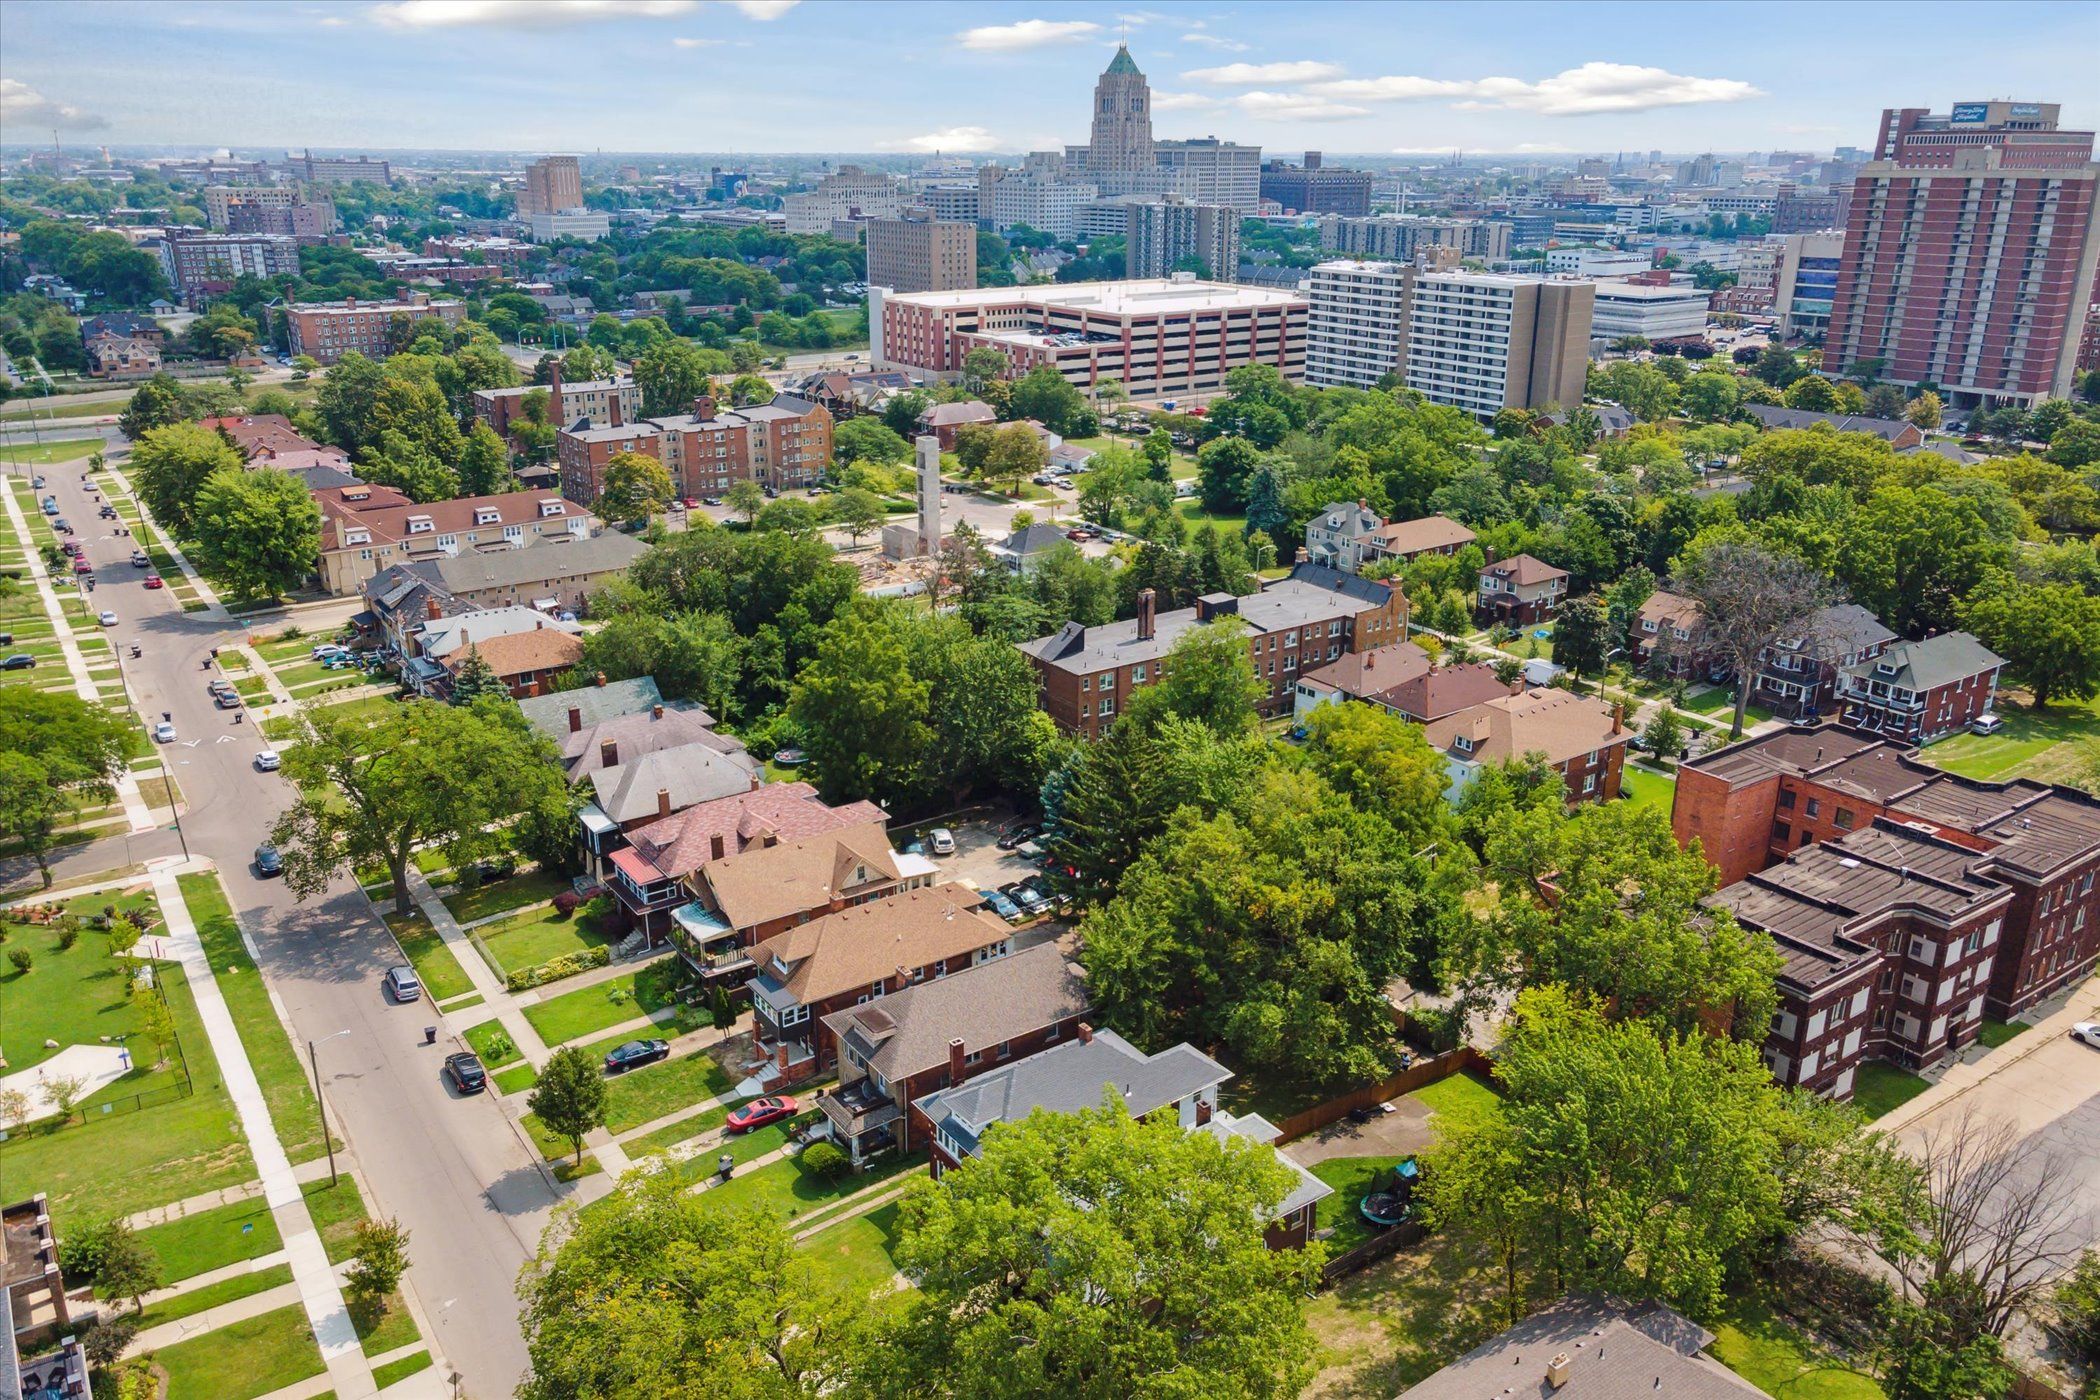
212	1239
244	1359
856	1254
337	1211
1458	1094
45	409
441	974
670	1136
278	1067
385	1327
45	453
493	1044
1647	789
641	1095
407	1366
1766	1351
1352	1179
786	1190
1996	1033
588	1010
535	936
1879	1088
1192	511
226	1290
500	895
515	1080
78	996
1719	699
2042	744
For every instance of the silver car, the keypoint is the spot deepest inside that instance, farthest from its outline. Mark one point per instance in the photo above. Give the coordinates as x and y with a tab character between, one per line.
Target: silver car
402	985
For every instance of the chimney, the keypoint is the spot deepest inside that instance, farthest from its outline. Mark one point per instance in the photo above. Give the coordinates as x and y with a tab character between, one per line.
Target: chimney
783	1057
704	407
663	802
1086	1034
612	411
955	1061
599	680
714	846
1618	718
656	712
554	396
1489	552
1148	613
1557	1371
609	753
575	719
1370	659
1300	557
431	609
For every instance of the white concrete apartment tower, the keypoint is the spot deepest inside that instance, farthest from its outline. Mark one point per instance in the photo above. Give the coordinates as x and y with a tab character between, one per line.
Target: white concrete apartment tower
1121	144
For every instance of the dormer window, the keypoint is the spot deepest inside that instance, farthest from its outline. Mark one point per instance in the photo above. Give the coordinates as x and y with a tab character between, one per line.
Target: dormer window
779	965
1465	743
550	508
420	525
487	515
357	537
1883	668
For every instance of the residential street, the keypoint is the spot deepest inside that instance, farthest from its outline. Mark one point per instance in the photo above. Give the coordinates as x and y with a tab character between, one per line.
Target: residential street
454	1171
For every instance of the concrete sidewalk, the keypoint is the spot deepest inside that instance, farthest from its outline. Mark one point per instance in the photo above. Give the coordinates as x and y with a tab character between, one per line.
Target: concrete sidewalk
1962	1079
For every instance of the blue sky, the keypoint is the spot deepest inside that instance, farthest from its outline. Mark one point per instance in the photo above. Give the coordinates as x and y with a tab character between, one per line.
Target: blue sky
772	75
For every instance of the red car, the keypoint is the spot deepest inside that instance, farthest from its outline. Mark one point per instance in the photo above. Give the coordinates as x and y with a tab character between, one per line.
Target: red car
759	1112
153	581
82	566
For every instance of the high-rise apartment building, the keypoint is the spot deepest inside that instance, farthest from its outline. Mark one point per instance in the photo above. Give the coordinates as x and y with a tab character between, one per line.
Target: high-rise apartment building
1485	341
1210	171
1316	188
1119	149
338	170
1160	237
202	266
915	252
1356	330
1804	281
1393	238
1970	253
846	193
1795	210
329	330
552	185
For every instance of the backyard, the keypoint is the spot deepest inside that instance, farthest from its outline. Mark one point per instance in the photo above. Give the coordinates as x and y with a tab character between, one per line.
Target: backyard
1881	1088
2051	744
1645	787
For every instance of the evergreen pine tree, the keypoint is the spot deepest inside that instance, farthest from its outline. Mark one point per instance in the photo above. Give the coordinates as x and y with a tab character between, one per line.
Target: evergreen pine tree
1265	508
476	678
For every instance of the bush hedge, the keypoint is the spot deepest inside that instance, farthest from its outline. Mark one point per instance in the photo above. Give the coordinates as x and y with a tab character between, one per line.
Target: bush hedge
567	965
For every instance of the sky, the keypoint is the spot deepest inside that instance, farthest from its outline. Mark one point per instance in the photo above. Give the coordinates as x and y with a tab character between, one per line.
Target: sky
974	79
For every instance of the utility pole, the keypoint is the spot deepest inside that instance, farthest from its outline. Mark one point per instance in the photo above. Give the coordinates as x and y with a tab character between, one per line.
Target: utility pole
313	1059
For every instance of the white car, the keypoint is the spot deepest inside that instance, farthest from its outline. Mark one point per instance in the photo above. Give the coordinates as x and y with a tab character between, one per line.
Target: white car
327	649
2087	1032
267	761
108	618
164	733
1986	724
941	841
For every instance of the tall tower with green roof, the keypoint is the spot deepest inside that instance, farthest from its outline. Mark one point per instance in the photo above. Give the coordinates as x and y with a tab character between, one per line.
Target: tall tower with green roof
1121	145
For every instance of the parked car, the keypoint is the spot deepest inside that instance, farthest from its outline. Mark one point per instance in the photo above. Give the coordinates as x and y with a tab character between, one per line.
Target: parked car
267	761
154	581
62	525
1002	906
2087	1033
759	1112
402	985
71	549
227	699
494	868
139	559
20	661
1019	835
36	484
323	650
267	861
941	841
1047	892
465	1071
1031	903
164	733
50	505
107	512
1986	724
636	1053
81	566
106	618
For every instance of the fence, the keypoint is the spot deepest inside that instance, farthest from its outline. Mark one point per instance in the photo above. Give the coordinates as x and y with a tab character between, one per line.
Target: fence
1406	1081
86	1113
1392	1241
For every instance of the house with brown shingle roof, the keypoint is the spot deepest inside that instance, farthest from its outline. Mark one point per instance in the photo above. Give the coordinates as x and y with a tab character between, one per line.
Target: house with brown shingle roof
945	420
1410	539
1582	737
526	662
1669	635
1520	590
366	527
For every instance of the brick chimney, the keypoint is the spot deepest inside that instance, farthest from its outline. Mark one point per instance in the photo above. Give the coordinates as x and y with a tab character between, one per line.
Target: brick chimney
1618	719
715	846
1086	1034
704	407
431	609
656	712
575	719
613	415
663	802
609	752
599	680
1489	552
554	396
955	1061
1148	614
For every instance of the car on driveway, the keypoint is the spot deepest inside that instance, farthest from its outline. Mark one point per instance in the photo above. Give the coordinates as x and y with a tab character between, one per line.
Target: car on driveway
1986	724
1002	906
1019	836
164	733
759	1112
155	581
267	861
402	985
267	761
636	1053
1031	903
2087	1033
465	1071
107	618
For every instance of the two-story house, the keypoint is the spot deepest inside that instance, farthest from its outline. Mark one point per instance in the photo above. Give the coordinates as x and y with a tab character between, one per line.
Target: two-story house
1670	638
1797	676
1918	691
860	953
896	1049
1579	735
1074	1075
1406	540
1519	591
1342	535
1400	679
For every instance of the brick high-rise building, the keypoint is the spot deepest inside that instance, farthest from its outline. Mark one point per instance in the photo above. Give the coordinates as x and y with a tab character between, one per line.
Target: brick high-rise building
916	252
338	170
1160	236
1316	188
552	184
330	330
1970	253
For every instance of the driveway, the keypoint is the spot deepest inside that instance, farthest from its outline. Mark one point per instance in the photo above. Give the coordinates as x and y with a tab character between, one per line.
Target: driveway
1402	1130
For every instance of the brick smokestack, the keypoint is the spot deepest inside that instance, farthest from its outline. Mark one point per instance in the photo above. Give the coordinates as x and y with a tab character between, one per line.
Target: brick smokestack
715	846
1086	1034
609	752
431	609
663	802
1148	614
704	407
955	1061
613	414
1618	719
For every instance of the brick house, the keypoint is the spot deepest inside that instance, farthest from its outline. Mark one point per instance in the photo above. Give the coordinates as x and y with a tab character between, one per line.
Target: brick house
526	662
585	399
1405	540
1343	536
1579	735
945	420
1757	802
1399	678
113	356
1920	691
1294	624
1797	676
1520	591
896	1049
1670	638
556	574
1074	1074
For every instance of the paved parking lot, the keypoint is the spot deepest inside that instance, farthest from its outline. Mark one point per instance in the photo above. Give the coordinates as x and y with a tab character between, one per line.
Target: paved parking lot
978	861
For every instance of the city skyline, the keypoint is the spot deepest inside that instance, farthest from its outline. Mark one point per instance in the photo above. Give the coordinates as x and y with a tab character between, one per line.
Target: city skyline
774	76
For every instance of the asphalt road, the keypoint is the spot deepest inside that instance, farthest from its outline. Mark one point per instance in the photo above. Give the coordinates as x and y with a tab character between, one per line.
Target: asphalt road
454	1171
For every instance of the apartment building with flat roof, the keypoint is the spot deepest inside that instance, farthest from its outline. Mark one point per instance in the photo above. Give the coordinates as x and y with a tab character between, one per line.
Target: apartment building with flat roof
552	184
1652	313
329	330
1485	341
1315	187
203	265
1356	327
918	252
784	445
1397	238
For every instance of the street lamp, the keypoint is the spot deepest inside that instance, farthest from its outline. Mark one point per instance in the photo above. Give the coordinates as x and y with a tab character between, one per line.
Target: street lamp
313	1058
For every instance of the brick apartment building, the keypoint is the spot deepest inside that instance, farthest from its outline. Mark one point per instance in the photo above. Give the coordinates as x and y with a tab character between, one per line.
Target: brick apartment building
508	254
1915	692
784	445
1798	676
1297	623
204	265
1908	902
915	252
590	399
329	330
366	528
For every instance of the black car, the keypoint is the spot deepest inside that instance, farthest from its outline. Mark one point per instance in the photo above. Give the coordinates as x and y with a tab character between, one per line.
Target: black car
636	1053
1045	891
466	1073
267	861
1020	836
20	661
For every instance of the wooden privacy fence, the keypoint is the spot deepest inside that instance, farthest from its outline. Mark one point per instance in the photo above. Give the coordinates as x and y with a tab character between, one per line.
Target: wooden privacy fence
1406	1081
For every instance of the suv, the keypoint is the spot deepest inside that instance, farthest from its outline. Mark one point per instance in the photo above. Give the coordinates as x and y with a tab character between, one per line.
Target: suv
401	984
465	1071
941	841
139	559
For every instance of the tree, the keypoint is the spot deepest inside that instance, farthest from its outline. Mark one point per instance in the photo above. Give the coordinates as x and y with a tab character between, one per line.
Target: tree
636	486
570	1096
692	655
1711	397
1046	396
56	751
1224	471
671	374
392	459
1924	410
1813	393
1382	764
1777	366
1015	453
149	1010
484	463
857	511
157	403
654	1286
747	498
1207	677
257	532
1910	555
128	1267
476	679
861	715
2074	1312
868	440
170	466
1664	734
31	807
981	366
1579	633
1750	597
378	1259
2048	632
1109	1245
1266	511
2076	443
373	789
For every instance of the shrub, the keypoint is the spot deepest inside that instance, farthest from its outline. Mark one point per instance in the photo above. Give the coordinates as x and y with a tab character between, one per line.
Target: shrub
104	1339
565	903
825	1161
80	1250
21	958
567	965
68	935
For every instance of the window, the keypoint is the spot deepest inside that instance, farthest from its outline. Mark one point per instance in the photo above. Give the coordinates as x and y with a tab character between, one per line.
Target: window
1086	683
1786	798
1006	1049
1781	833
1137	674
1842	817
794	1015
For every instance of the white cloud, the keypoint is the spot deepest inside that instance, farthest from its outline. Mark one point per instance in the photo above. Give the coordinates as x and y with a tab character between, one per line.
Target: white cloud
1249	74
1140	18
1592	88
1183	102
696	43
1215	41
1296	107
522	14
1025	34
22	103
763	10
953	140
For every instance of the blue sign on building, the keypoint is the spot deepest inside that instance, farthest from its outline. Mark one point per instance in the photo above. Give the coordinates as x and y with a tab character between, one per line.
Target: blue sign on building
1970	113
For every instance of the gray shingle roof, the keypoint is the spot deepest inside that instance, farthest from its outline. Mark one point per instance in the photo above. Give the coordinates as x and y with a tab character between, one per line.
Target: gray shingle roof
550	559
1070	1077
550	713
691	773
1773	416
1038	538
1002	1000
1615	1351
1935	661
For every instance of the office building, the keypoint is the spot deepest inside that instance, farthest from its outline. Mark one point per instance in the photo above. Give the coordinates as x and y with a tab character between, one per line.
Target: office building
552	184
1158	338
1165	236
1796	210
243	209
1652	313
1119	147
847	192
1315	187
1398	238
201	266
1356	328
330	330
1804	281
916	252
1209	171
338	170
1041	198
1970	253
1597	262
1486	341
589	225
953	203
